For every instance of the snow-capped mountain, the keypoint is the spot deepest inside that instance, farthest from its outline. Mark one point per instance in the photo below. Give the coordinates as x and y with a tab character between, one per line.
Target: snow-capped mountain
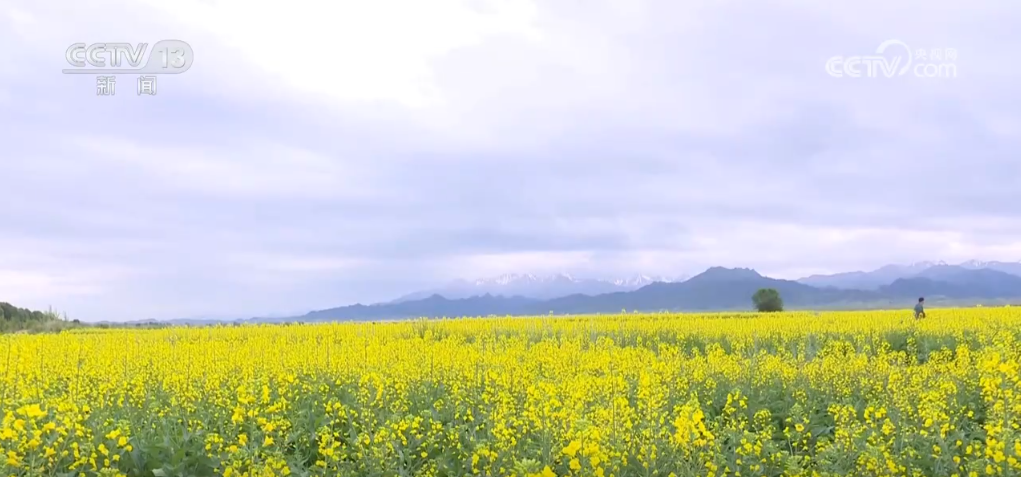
541	287
888	274
1013	268
639	281
511	278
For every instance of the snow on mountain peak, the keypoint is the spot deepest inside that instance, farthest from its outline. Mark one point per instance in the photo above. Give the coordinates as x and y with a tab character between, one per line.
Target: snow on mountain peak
638	281
528	278
503	279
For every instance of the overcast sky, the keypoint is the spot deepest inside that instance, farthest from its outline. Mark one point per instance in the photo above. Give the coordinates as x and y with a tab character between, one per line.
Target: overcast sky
320	153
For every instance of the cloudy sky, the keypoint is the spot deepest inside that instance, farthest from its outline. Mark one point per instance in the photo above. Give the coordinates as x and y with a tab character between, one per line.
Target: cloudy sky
321	153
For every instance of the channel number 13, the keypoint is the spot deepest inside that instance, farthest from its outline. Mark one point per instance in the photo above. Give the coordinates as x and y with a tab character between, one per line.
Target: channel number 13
173	57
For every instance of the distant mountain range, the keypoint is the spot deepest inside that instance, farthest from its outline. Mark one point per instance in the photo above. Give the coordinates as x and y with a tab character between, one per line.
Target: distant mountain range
535	286
888	274
718	288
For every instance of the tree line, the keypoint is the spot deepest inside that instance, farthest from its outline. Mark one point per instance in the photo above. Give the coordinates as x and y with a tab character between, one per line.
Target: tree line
13	318
10	312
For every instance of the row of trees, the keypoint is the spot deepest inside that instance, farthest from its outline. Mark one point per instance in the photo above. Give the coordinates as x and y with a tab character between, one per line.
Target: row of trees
13	318
10	312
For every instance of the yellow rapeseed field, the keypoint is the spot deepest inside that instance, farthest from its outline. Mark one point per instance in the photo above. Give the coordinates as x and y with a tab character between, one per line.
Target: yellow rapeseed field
799	393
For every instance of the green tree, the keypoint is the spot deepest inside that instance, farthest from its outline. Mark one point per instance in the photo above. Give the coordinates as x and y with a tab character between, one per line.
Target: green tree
767	299
13	318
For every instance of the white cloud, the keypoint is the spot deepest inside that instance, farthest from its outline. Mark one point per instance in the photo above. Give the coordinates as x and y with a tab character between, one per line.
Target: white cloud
351	50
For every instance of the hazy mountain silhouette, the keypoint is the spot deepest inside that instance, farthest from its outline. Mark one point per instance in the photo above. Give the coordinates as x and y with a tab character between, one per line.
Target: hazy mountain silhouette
433	306
868	280
717	288
886	275
542	287
952	281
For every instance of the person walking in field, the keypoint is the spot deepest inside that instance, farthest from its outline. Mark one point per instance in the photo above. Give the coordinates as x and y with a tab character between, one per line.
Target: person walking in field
920	309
